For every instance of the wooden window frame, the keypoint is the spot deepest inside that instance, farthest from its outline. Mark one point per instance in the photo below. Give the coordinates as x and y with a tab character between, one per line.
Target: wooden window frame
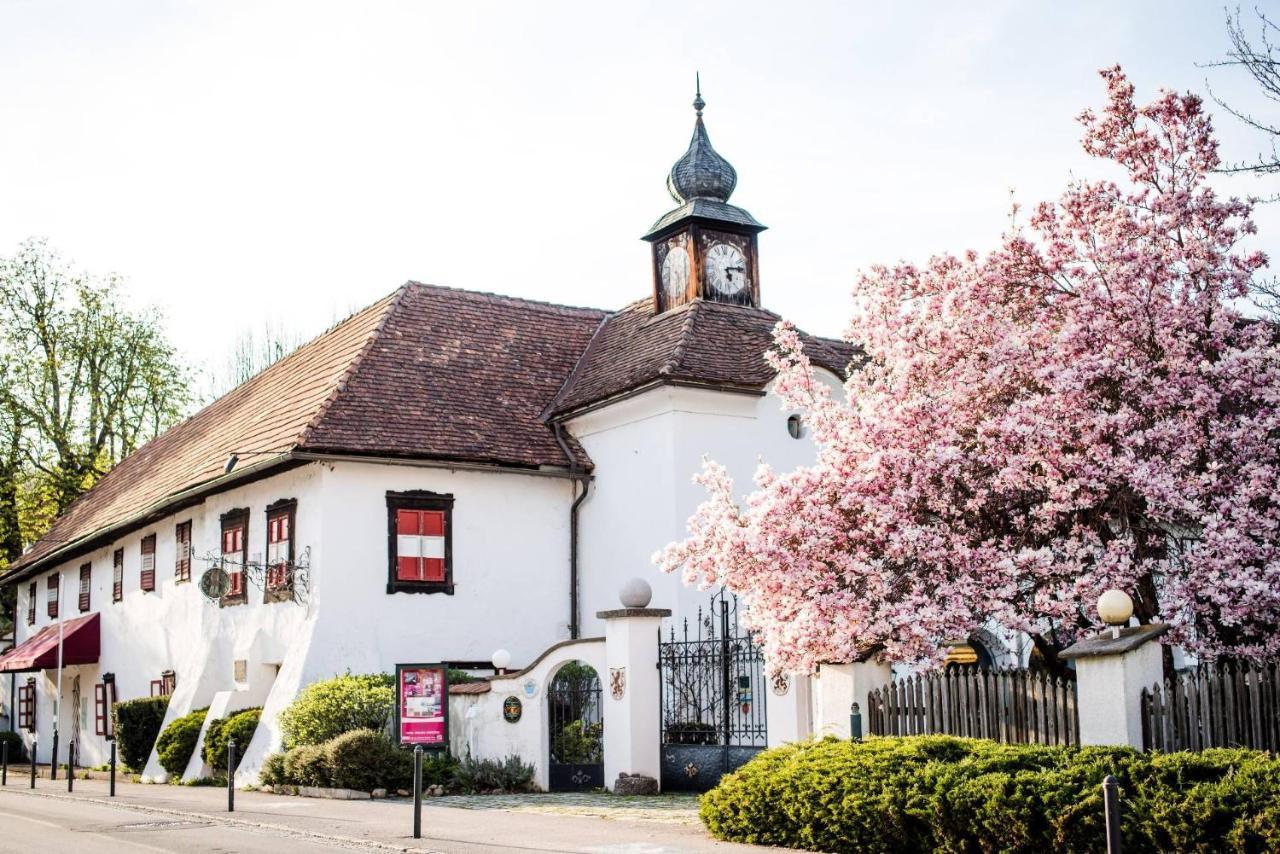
419	500
33	593
86	585
228	521
282	589
117	575
147	577
182	552
104	697
53	594
27	705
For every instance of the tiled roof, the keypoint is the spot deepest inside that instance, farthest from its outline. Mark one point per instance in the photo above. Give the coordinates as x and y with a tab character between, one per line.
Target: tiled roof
425	372
701	342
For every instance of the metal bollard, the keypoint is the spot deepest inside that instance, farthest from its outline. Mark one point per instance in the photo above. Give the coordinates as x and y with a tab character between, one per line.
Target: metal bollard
855	723
231	775
53	758
71	764
112	791
1111	803
417	791
4	764
33	762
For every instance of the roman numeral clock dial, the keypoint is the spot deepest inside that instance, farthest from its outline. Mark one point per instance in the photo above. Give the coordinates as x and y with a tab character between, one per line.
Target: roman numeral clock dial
726	269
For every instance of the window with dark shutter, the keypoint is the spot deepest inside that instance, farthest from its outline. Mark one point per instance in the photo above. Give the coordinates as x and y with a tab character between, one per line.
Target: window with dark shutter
168	682
52	582
86	577
280	523
117	575
235	553
157	688
103	699
182	563
33	590
420	542
27	706
148	575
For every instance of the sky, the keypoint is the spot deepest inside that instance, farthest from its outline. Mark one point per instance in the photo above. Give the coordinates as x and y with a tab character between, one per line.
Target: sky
243	163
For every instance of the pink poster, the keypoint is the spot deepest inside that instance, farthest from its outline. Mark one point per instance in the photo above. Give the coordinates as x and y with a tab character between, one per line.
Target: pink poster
422	704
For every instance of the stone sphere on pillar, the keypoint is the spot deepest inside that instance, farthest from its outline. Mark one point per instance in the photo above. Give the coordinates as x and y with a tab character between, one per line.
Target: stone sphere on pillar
635	593
1115	607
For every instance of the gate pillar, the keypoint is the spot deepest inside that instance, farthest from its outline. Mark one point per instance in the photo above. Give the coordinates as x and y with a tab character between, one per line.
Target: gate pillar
790	716
631	701
1111	671
839	687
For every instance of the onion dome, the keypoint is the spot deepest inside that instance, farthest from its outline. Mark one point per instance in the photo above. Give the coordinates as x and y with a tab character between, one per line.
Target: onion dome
701	173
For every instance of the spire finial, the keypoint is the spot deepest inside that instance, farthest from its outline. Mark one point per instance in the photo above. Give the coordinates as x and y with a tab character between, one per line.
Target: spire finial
698	103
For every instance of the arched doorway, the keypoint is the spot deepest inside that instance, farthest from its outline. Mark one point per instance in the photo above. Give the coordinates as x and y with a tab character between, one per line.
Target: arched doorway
575	729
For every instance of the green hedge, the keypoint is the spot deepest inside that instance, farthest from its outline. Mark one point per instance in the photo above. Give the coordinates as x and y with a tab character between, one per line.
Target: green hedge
178	742
325	710
17	750
137	725
938	793
239	726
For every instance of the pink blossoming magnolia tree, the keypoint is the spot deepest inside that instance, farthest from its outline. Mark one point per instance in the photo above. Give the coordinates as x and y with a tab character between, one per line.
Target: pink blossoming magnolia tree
1081	409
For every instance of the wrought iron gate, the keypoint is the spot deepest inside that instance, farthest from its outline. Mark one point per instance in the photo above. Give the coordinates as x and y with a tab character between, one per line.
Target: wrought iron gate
712	690
576	729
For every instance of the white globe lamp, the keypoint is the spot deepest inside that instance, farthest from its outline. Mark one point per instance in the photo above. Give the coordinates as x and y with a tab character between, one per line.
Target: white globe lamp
1115	608
501	660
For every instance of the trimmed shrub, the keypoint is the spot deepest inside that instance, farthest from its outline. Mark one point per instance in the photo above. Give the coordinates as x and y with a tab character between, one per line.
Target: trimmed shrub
239	726
306	765
937	793
512	774
17	750
365	760
178	742
325	710
137	725
272	773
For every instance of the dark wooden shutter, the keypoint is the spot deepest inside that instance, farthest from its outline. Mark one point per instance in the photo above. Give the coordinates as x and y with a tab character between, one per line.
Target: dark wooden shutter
33	591
101	709
117	575
182	563
52	582
148	575
86	578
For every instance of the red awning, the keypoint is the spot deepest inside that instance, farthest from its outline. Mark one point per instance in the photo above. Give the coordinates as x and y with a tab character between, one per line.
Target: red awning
40	651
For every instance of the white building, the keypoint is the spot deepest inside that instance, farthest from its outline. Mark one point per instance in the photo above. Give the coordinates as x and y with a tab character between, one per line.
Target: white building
440	475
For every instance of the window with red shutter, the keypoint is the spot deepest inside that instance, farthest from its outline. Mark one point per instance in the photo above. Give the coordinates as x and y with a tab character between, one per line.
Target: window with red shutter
33	590
182	562
52	581
147	577
280	523
103	699
117	575
420	542
235	553
86	577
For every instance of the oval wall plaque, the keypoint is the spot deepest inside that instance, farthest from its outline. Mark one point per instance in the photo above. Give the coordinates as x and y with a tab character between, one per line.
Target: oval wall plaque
512	709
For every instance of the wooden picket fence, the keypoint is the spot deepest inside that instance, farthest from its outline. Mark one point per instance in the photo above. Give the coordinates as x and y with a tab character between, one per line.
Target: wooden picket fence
1013	706
1214	706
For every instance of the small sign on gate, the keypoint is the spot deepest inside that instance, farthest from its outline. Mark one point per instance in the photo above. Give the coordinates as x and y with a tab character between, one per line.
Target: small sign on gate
422	705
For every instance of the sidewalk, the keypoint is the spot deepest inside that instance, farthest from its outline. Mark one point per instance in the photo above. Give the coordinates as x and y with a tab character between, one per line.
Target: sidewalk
548	822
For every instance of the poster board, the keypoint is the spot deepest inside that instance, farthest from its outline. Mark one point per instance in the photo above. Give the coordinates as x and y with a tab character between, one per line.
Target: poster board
422	705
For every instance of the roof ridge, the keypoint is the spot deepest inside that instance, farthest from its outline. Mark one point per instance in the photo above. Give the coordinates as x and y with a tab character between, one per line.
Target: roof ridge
533	303
686	330
341	385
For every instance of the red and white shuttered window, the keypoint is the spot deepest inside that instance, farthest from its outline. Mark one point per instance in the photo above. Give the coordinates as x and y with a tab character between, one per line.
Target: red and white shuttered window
33	590
53	594
280	519
182	561
147	578
235	544
421	542
420	545
104	697
27	706
117	575
86	577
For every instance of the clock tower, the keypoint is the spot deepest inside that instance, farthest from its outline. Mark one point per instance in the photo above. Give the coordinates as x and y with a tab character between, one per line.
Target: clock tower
706	247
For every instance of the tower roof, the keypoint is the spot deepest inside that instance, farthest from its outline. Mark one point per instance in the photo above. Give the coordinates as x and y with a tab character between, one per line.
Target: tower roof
702	181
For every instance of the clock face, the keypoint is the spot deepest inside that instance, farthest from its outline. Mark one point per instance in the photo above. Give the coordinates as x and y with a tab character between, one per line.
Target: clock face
675	273
726	269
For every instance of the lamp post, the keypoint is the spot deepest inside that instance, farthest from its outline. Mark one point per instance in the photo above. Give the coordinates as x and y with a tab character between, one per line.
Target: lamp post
1115	608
